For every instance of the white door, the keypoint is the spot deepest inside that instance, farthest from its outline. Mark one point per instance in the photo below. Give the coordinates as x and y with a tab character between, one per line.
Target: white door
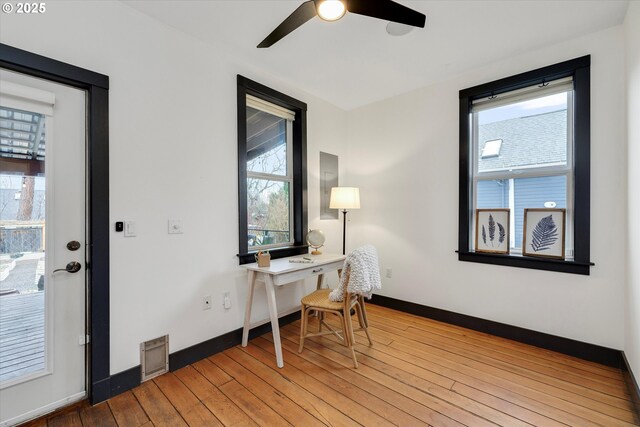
42	215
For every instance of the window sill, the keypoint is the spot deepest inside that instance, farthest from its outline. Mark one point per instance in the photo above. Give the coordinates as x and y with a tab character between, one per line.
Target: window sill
276	253
558	265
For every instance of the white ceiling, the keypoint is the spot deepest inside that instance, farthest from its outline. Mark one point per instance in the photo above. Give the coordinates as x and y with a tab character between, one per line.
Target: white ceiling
353	62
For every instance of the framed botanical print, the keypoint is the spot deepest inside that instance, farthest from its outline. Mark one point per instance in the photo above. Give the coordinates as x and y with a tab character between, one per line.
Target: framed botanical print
544	231
492	231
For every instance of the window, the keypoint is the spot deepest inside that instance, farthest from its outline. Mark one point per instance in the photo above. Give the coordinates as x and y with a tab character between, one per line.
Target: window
534	169
524	143
271	172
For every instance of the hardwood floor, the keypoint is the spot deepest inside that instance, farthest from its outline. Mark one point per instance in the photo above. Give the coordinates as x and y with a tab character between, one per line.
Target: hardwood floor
418	372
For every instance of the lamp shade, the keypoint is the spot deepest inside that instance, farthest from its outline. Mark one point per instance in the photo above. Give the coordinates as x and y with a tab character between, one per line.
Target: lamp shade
345	198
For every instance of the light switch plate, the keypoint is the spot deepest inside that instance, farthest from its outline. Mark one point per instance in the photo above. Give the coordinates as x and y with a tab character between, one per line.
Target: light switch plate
175	226
129	229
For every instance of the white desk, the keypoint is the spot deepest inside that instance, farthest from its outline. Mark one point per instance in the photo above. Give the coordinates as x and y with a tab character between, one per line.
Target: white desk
282	272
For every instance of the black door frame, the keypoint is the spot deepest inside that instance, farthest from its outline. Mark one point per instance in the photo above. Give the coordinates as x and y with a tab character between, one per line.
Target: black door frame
97	87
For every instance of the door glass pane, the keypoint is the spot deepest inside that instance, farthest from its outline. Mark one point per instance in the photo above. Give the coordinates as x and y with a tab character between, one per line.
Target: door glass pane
266	143
268	212
22	243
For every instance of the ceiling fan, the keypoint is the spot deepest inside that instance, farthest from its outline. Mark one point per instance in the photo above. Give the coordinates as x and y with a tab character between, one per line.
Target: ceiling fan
332	10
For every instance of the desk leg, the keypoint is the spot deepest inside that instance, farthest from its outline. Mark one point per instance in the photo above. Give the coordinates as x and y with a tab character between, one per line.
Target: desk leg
251	280
273	314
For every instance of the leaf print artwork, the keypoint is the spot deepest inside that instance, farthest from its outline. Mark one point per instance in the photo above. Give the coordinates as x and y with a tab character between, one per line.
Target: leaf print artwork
501	233
492	231
492	228
544	234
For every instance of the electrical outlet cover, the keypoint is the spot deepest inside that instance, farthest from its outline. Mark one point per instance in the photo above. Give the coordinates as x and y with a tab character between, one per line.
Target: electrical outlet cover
206	302
129	229
175	226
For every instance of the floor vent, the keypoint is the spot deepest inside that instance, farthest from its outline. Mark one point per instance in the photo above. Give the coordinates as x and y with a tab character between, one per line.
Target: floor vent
154	357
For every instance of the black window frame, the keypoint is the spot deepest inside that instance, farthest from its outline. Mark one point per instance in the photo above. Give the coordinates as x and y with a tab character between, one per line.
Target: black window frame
299	144
579	70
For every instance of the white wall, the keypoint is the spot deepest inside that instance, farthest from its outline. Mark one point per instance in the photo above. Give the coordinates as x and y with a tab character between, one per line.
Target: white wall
403	153
632	341
173	142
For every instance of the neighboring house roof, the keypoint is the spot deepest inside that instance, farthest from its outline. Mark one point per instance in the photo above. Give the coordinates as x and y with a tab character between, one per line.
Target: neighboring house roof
531	140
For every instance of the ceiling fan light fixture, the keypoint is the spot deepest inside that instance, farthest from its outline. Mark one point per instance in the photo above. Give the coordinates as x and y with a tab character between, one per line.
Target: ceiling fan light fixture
331	10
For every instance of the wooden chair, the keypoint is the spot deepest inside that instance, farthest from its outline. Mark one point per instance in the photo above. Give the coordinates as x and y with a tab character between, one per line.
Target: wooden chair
319	302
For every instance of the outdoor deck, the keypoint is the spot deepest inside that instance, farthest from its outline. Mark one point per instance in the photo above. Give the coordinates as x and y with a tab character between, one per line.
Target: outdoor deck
21	334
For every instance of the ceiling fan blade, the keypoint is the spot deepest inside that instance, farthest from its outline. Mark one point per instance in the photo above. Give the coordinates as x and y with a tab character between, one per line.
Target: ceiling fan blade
302	14
387	10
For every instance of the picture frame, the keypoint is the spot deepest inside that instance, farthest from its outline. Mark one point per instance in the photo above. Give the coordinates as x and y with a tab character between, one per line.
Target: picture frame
492	231
544	233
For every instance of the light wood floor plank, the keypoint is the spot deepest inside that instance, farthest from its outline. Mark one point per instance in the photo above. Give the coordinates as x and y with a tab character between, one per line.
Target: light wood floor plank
259	411
66	420
98	415
415	376
218	404
127	411
350	400
157	406
200	416
313	404
355	392
213	373
279	402
542	355
516	384
187	404
405	398
417	389
178	394
533	358
610	394
418	372
585	405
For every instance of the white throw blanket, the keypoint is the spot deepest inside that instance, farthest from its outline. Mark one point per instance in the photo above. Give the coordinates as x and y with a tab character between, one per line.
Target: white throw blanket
360	274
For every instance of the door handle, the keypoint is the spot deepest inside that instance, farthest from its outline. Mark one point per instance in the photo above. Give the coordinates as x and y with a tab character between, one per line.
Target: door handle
72	267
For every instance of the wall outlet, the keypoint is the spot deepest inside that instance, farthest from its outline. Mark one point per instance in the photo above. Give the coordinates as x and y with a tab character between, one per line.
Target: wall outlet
175	226
226	300
206	302
389	273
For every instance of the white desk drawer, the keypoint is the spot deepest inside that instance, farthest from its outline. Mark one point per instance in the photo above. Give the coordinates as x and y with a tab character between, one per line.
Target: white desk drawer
293	276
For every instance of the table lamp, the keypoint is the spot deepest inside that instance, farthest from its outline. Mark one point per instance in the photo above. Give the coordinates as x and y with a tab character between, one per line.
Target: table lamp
344	198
